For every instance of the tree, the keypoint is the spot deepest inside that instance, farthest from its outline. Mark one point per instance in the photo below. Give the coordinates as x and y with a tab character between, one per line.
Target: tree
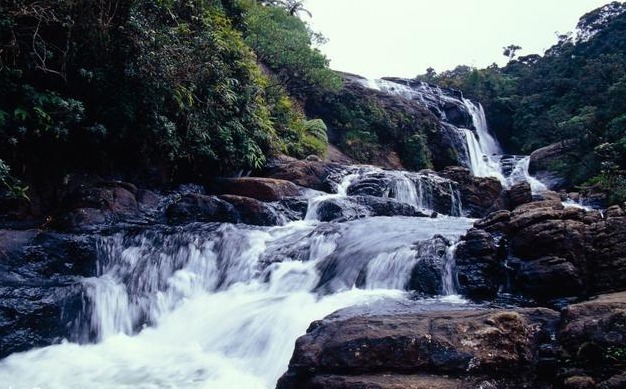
510	51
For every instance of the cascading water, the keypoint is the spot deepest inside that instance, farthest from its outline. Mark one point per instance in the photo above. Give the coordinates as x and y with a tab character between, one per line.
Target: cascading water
481	148
210	305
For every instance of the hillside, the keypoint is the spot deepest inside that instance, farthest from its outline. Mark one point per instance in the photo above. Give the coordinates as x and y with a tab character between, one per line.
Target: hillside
575	91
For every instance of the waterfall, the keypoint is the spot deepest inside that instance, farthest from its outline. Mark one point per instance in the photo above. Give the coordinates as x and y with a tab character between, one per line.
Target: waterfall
519	173
482	147
481	150
220	305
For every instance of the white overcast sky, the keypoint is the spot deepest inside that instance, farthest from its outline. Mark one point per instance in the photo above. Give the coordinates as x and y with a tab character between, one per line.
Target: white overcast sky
377	38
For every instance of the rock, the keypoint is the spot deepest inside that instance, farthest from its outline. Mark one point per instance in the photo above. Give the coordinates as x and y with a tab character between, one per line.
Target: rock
600	321
606	254
40	295
309	174
251	211
201	208
387	381
579	382
355	207
548	277
561	238
479	195
92	207
593	333
519	194
37	315
543	160
468	344
618	381
479	271
377	185
426	275
497	221
263	189
549	252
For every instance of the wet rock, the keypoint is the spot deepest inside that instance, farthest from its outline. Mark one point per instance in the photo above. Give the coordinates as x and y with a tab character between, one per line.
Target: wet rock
37	315
616	382
263	189
479	195
497	222
387	381
92	207
579	382
593	333
607	253
548	251
543	160
356	207
519	194
600	321
427	274
197	207
40	295
377	185
547	278
444	343
479	269
308	174
251	211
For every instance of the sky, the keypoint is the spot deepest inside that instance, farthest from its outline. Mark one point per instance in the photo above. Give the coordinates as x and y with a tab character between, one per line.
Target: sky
402	38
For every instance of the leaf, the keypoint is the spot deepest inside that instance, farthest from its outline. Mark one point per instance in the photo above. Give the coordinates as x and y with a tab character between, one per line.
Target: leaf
20	114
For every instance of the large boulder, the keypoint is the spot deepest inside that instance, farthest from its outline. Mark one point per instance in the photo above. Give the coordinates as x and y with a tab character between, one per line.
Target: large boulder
478	264
593	335
41	297
355	207
545	251
453	345
194	207
543	163
607	255
308	174
479	195
259	188
89	207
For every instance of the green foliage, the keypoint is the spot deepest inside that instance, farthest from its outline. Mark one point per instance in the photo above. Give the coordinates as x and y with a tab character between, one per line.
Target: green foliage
13	188
283	42
317	129
367	130
575	91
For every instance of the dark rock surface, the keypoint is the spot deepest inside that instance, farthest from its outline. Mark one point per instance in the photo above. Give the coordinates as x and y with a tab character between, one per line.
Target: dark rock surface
546	252
355	207
544	160
259	188
195	207
308	174
458	346
479	195
410	345
41	296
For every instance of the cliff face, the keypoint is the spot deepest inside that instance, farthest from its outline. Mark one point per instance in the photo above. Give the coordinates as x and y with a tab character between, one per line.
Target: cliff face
421	123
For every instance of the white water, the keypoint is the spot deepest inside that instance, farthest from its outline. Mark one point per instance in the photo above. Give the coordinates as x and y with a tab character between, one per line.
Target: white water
483	150
220	306
201	307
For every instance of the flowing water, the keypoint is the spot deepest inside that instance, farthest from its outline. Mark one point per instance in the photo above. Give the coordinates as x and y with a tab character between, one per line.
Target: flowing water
482	151
210	305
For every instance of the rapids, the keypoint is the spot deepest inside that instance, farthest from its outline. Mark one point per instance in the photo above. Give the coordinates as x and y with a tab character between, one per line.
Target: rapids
218	305
210	305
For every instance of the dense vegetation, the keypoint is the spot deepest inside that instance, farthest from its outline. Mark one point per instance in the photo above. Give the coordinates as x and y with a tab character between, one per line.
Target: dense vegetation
575	91
114	85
